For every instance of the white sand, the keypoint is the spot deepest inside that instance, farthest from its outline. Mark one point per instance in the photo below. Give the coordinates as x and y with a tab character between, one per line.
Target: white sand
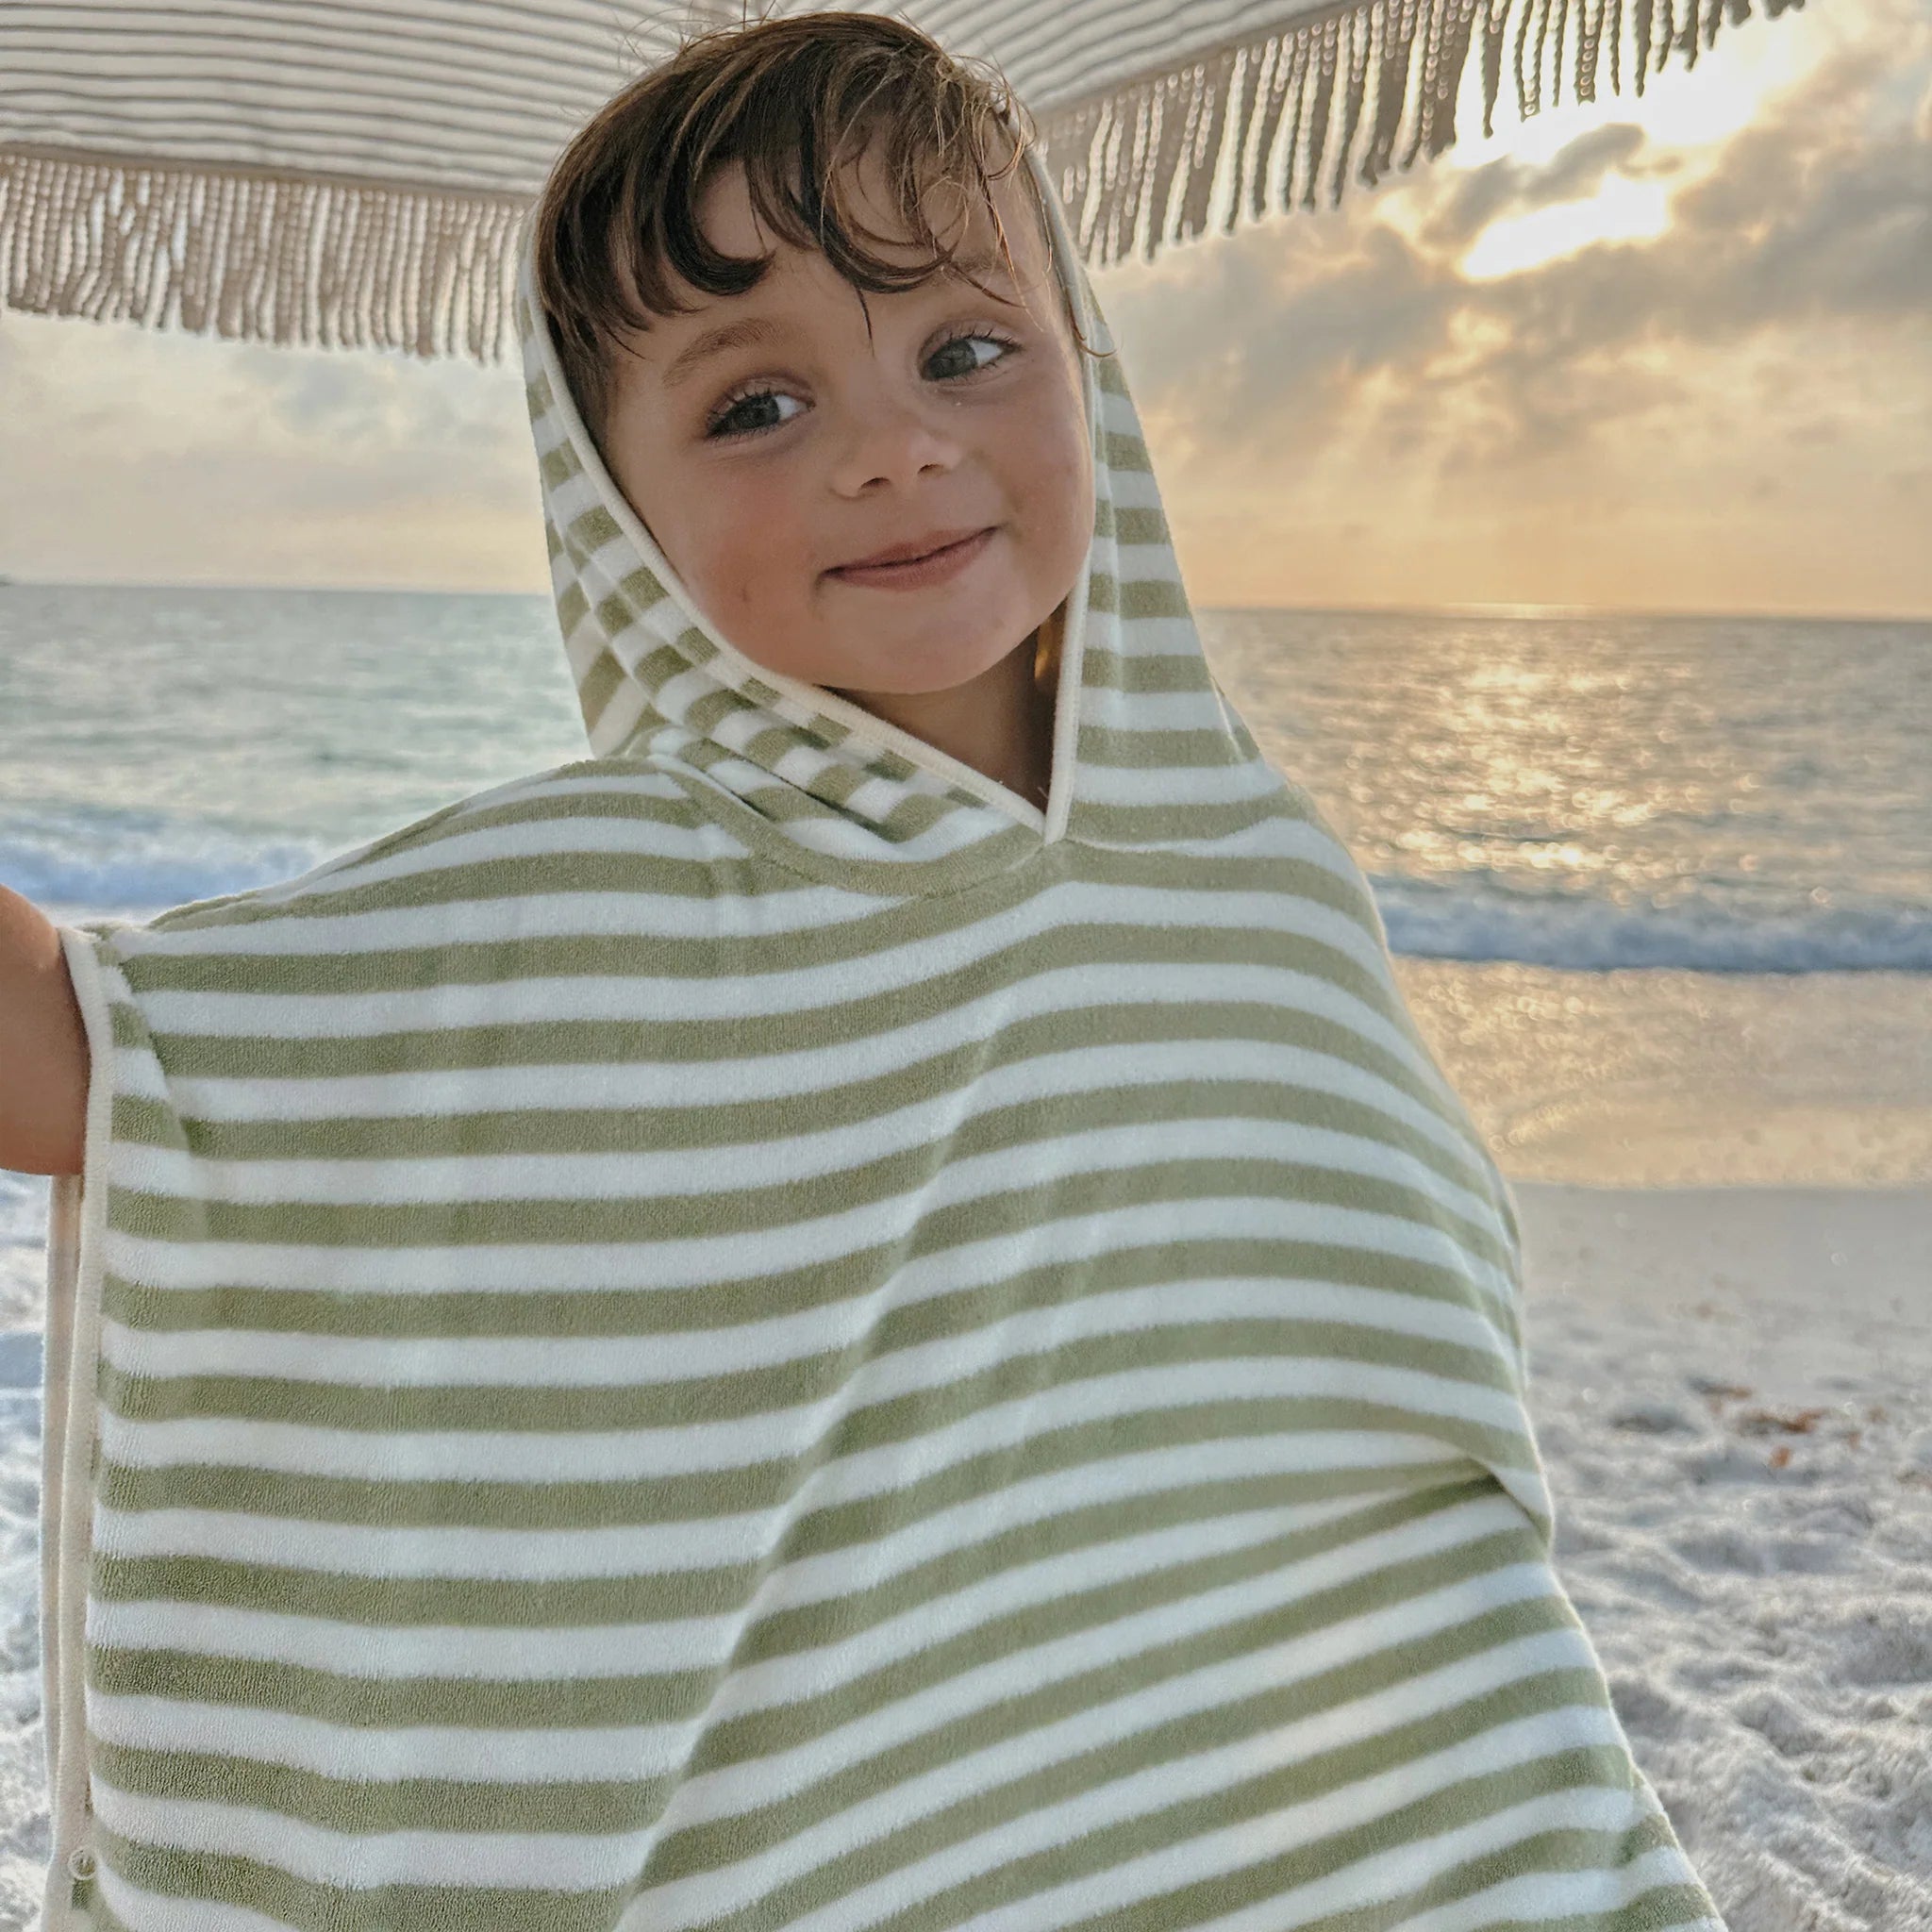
1729	1389
1728	1386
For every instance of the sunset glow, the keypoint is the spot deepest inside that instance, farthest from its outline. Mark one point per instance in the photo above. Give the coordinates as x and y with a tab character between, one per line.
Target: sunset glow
1621	211
1667	353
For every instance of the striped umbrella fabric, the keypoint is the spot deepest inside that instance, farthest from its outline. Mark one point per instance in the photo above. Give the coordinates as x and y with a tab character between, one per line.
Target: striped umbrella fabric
349	174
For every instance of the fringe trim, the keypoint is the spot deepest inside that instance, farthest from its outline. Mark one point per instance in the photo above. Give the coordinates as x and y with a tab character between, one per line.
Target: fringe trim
257	255
1145	159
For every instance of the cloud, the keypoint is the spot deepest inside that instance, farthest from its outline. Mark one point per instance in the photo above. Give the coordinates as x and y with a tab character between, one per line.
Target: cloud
1345	405
1818	215
1512	187
200	459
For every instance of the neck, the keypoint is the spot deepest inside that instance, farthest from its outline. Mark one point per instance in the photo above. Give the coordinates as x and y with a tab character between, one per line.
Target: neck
999	722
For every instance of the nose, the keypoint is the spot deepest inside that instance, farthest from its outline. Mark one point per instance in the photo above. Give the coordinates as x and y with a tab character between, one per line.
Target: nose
892	440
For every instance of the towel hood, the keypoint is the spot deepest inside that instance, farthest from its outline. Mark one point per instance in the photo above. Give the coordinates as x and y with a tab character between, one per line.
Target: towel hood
1145	749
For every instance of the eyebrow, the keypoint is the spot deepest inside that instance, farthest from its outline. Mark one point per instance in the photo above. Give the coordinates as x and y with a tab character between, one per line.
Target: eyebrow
749	330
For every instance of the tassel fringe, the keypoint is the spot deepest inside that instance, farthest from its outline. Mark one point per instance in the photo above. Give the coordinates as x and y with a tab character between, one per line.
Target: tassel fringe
324	262
1139	166
255	256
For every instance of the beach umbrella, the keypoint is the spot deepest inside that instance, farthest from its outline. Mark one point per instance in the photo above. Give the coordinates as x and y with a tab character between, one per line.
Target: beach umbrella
321	173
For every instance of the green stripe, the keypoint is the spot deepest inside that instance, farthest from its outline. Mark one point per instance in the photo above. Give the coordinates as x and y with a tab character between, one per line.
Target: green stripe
492	1502
610	1806
1393	1496
347	1697
521	1221
690	1403
1155	750
1159	673
751	1035
774	1292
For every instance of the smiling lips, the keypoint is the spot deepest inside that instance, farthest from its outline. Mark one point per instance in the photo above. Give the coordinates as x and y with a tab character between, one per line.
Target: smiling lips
927	560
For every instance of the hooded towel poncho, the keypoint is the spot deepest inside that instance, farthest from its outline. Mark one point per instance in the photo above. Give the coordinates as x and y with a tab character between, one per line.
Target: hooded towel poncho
754	1333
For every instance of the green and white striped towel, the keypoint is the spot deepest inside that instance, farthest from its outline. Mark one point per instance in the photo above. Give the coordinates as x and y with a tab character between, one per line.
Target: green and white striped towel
754	1332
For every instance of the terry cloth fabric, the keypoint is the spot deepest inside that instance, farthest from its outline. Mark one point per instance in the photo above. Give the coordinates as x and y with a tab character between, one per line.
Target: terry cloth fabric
756	1333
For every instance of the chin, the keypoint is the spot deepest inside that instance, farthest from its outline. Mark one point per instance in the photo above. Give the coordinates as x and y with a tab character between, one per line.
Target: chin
905	680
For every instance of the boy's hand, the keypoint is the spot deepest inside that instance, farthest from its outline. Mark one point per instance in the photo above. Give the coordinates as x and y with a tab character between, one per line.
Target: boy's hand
43	1056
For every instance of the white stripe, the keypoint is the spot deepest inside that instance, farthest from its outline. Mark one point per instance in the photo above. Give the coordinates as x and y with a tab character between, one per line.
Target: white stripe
639	998
502	918
549	1555
839	838
708	1260
1367	1880
585	643
511	1555
1060	1072
469	1753
1532	1896
1177	710
155	1911
401	1652
1196	1776
1178	785
428	1181
517	1861
1022	1672
1136	913
613	1361
440	852
774	1435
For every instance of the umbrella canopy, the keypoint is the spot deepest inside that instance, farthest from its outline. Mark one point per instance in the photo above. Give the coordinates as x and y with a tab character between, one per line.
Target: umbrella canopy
330	173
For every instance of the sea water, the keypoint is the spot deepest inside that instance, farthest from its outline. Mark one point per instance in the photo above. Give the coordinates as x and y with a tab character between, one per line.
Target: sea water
1590	791
1745	799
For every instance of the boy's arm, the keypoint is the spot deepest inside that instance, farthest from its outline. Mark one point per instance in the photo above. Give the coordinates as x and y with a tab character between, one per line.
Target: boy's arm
44	1055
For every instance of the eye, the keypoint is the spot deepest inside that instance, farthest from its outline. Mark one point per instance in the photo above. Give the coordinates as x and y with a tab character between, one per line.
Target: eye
738	399
977	335
715	430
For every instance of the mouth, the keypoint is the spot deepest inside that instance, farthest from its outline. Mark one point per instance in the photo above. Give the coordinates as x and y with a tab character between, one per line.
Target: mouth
931	566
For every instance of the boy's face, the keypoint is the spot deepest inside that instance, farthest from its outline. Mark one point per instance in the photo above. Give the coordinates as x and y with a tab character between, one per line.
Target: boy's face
764	466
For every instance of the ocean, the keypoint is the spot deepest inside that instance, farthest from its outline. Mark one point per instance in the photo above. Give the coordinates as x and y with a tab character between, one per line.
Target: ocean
1659	889
1582	792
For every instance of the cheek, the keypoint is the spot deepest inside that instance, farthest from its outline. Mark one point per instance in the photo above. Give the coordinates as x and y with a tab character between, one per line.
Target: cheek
747	549
1060	487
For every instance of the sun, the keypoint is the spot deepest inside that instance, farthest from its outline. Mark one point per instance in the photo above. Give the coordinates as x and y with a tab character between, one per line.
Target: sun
1620	210
1686	116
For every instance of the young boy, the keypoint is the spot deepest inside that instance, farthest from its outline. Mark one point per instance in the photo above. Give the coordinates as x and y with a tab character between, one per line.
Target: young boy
864	1310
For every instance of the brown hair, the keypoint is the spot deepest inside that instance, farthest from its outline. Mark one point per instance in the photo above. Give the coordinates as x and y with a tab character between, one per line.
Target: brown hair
782	97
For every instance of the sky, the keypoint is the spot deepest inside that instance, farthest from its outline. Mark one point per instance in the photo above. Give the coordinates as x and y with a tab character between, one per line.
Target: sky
1667	353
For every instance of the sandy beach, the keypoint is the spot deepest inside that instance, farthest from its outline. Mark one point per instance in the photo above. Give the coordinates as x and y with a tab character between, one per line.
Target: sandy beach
1728	1388
1725	1189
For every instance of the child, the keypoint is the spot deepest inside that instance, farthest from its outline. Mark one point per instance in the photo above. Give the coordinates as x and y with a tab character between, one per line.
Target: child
866	1309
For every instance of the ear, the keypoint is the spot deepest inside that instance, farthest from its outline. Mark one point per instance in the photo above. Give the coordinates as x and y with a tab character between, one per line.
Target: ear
1046	651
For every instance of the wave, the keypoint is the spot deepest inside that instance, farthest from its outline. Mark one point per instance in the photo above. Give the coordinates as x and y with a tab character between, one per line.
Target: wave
1482	918
141	865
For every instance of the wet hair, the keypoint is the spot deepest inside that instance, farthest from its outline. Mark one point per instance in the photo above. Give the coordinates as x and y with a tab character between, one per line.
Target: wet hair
792	100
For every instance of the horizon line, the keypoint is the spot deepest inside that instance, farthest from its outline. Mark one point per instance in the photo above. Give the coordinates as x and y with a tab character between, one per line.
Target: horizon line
1499	608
